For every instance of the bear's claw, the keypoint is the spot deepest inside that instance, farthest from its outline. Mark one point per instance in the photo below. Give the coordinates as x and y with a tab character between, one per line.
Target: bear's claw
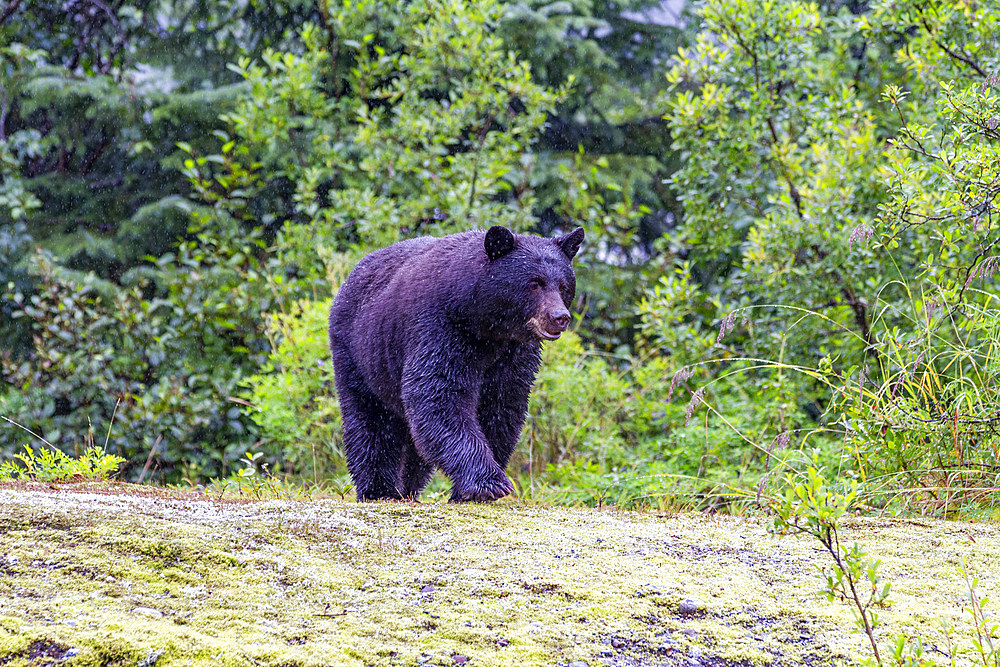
484	490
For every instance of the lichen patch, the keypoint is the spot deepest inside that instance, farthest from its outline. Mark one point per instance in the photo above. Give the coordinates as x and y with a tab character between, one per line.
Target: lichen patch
121	578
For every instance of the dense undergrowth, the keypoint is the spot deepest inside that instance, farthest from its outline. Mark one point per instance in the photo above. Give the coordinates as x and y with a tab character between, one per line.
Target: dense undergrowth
825	298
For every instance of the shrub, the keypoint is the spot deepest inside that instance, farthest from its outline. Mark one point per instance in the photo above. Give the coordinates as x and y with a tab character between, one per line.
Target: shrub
576	408
48	464
293	396
102	354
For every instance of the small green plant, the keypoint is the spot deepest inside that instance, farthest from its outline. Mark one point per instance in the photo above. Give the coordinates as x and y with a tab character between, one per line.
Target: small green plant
253	480
48	464
809	506
341	488
984	627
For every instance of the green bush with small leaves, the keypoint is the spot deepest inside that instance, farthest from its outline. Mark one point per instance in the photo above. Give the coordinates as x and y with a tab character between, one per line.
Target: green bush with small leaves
48	464
293	397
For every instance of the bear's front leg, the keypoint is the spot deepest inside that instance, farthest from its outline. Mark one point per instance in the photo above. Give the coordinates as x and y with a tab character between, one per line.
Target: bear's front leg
503	398
440	392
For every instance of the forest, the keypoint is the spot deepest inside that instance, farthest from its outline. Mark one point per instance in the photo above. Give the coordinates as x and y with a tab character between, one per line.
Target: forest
789	280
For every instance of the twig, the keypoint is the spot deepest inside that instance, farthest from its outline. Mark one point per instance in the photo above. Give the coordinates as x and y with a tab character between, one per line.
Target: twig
149	459
8	10
113	413
31	432
3	113
957	56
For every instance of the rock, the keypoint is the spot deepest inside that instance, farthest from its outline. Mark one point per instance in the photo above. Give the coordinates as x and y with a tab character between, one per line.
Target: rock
151	658
146	611
459	659
689	632
578	663
72	653
428	589
688	606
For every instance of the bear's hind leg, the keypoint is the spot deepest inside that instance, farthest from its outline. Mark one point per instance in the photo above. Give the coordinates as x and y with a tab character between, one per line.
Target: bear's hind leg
416	472
374	441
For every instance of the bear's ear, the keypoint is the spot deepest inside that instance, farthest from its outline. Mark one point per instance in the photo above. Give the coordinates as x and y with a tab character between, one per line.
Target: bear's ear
570	243
499	242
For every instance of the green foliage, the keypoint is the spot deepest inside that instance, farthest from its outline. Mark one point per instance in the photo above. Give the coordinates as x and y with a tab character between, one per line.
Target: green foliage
781	140
924	436
48	464
17	61
349	125
605	431
293	395
576	409
13	195
986	628
253	480
675	315
856	270
419	124
811	507
103	355
821	288
612	267
930	423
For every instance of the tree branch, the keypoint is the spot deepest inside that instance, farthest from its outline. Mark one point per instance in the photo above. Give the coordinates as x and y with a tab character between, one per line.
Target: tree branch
955	56
9	10
861	319
793	191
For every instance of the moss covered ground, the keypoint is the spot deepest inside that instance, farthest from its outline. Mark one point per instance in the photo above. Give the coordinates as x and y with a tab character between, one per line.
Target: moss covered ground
121	575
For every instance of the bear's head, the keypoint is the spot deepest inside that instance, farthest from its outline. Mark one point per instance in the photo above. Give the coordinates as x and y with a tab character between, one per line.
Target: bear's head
528	283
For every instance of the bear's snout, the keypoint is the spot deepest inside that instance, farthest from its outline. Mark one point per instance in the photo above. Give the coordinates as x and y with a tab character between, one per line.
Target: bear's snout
559	320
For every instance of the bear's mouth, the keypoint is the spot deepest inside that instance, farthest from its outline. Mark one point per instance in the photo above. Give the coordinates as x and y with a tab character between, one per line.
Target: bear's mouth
542	331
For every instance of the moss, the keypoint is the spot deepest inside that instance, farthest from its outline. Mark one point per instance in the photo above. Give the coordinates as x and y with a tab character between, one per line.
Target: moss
118	576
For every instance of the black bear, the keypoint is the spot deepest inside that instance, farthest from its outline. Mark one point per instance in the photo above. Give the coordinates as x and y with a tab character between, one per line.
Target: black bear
436	342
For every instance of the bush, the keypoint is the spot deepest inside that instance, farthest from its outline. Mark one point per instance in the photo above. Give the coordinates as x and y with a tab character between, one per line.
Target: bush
576	409
107	358
293	396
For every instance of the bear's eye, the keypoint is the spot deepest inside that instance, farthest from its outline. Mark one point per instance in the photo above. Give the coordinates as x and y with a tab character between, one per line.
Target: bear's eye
536	284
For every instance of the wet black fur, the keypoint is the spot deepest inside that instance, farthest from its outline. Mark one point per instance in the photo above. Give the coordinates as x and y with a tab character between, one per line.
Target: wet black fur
434	357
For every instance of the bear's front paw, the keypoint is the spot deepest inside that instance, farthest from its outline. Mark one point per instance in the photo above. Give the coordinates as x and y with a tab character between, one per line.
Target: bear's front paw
484	489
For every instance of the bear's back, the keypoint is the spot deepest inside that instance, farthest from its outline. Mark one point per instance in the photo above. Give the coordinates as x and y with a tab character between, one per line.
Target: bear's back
391	291
412	270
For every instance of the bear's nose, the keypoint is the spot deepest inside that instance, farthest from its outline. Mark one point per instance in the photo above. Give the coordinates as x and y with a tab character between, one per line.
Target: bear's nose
560	318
